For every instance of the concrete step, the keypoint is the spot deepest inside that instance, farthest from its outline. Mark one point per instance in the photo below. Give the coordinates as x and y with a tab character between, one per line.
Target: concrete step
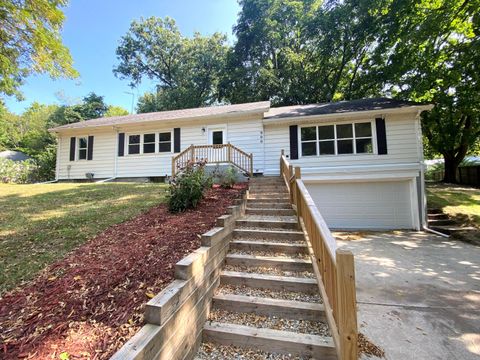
441	222
272	282
270	340
286	309
274	234
258	204
277	262
267	223
251	245
437	216
269	211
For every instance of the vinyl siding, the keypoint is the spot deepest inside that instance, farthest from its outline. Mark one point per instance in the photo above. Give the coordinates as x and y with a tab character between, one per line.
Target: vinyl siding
402	144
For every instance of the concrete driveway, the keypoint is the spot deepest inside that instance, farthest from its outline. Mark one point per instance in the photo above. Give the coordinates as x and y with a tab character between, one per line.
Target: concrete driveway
418	294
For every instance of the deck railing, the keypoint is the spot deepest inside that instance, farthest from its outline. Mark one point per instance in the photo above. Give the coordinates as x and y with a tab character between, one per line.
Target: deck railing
214	154
334	268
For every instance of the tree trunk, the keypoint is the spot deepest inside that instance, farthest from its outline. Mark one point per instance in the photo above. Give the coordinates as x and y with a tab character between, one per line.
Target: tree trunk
451	166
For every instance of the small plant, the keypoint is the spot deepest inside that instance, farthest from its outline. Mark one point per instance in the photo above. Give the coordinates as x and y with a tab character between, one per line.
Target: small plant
187	188
229	178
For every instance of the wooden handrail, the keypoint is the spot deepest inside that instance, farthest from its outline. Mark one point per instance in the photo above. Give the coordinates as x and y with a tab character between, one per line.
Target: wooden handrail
334	268
214	154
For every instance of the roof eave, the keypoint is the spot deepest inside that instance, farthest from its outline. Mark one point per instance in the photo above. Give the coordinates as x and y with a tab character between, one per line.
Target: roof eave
347	115
260	110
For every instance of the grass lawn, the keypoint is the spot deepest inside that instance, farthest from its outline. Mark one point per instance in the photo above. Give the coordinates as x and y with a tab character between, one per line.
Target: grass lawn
41	223
460	201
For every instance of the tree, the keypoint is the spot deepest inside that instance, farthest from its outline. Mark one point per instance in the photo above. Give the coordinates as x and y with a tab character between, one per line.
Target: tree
115	111
430	51
187	70
30	42
91	107
296	52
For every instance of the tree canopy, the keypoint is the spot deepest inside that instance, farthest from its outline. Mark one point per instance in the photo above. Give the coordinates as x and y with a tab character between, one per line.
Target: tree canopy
187	70
30	42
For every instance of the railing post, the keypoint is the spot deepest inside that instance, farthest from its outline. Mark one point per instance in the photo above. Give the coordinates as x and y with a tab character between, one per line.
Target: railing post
298	175
229	152
173	166
281	162
251	164
192	152
346	305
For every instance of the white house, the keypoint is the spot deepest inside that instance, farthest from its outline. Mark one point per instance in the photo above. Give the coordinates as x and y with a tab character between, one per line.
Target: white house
362	160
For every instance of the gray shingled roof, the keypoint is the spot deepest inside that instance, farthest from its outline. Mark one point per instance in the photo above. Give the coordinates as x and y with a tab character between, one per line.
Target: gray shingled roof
168	115
338	107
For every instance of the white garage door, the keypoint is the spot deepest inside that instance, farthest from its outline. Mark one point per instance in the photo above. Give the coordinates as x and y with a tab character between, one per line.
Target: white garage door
365	205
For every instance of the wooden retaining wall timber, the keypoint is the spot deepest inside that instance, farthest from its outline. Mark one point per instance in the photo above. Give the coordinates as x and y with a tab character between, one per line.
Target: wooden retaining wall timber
175	317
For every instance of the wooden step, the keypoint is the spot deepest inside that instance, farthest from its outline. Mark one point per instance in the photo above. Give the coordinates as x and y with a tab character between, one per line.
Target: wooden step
268	200
269	340
258	204
272	282
450	229
251	245
269	211
268	224
267	180
293	235
286	309
437	216
283	263
273	197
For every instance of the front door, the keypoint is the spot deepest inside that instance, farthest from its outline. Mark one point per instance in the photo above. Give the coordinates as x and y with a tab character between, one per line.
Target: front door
216	136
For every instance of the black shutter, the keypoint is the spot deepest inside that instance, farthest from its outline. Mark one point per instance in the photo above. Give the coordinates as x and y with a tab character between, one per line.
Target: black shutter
121	144
73	141
293	142
176	140
90	148
381	136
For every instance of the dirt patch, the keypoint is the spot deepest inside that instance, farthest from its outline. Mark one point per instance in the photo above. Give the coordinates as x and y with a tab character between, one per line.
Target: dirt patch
91	302
365	346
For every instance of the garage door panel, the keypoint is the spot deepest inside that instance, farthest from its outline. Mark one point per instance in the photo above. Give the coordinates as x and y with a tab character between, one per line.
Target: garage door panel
369	205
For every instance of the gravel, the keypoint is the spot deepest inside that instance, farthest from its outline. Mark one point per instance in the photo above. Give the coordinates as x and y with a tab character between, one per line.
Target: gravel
209	351
272	294
270	322
269	271
270	254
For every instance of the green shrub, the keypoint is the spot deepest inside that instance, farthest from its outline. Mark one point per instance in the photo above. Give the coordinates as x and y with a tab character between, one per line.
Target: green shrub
187	188
18	172
46	161
228	178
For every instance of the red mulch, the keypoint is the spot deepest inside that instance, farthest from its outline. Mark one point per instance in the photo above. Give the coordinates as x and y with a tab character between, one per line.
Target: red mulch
91	302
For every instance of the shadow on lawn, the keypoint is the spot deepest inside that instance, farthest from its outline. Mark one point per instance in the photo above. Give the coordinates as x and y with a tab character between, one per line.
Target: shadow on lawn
39	228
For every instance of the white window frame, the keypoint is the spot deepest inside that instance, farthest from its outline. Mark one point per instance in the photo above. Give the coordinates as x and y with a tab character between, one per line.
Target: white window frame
142	141
335	139
157	140
77	157
219	127
157	143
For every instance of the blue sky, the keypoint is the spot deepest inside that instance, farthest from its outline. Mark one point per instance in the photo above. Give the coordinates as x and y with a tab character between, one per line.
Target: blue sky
92	30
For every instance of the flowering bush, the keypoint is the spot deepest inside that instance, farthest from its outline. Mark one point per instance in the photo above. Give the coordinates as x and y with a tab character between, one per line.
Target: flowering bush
18	172
186	188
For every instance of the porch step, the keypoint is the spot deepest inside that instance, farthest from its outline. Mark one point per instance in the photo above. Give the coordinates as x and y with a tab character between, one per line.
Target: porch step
272	282
269	340
441	222
268	234
287	309
251	245
269	211
451	229
259	204
269	196
268	189
266	180
282	263
277	223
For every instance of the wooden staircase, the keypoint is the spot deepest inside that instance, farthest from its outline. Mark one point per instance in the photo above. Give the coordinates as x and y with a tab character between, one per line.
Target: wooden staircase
268	301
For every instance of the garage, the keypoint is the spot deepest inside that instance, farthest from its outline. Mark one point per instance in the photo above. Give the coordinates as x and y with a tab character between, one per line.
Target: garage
366	205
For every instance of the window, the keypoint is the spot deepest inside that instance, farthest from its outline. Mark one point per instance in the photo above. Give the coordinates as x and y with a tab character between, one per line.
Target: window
134	144
148	143
82	148
217	137
337	139
165	142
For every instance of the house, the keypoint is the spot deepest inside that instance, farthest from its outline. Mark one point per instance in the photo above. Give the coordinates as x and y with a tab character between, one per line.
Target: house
361	160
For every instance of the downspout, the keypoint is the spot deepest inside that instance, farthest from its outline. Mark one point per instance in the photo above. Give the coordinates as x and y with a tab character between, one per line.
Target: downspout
422	182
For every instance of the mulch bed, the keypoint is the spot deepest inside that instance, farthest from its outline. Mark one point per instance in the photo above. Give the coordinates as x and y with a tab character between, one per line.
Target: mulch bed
87	305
